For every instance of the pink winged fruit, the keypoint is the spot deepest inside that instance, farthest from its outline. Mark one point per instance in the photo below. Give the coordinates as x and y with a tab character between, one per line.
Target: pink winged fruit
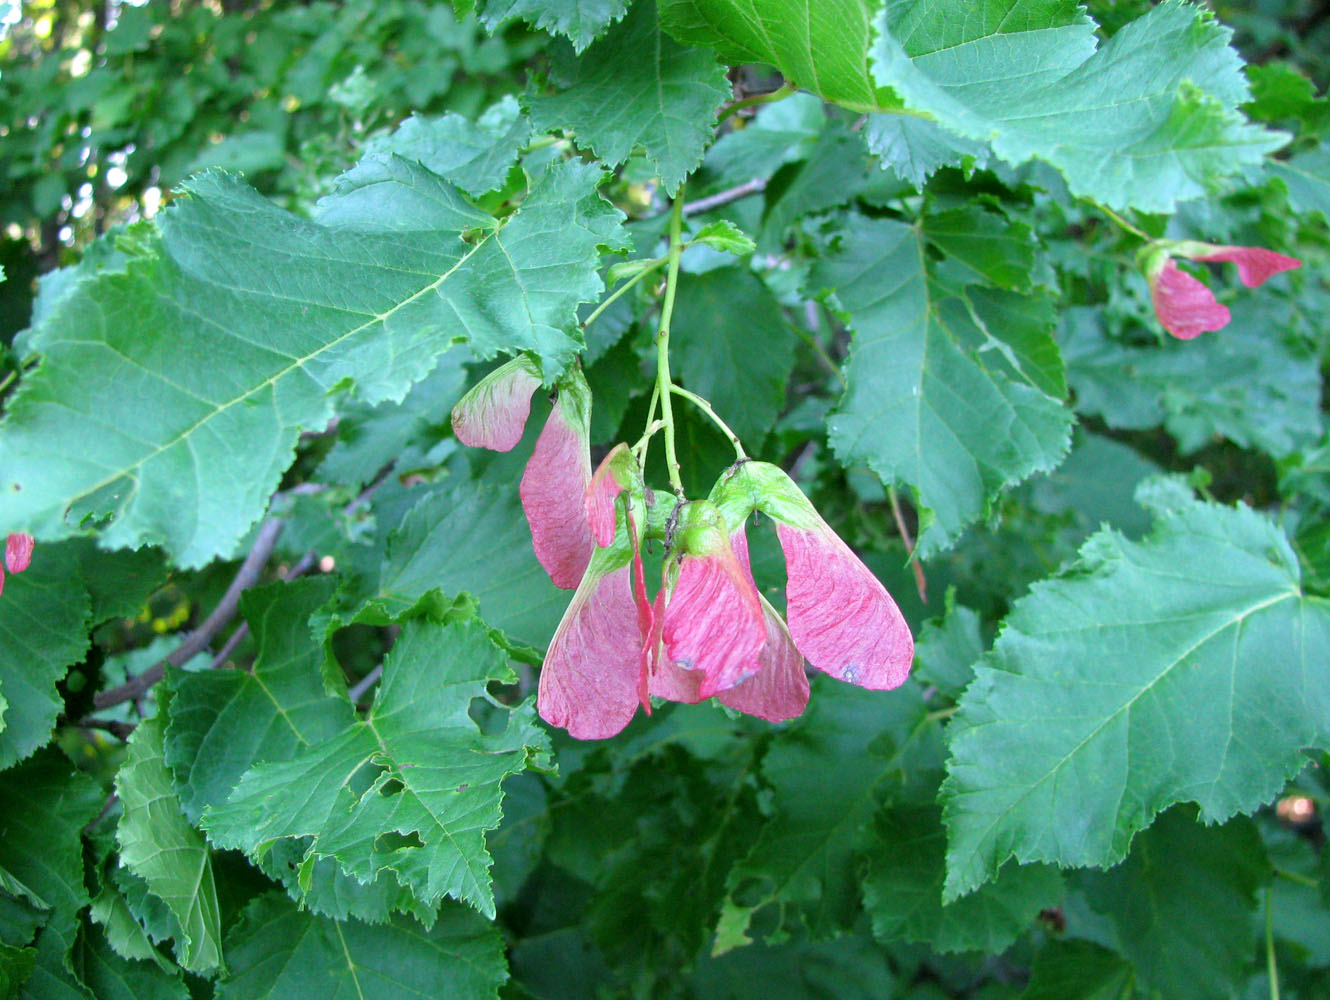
840	616
1185	307
493	415
709	633
18	555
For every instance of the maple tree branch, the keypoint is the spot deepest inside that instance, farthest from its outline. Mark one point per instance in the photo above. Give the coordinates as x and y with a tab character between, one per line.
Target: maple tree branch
361	686
299	569
120	730
248	574
756	186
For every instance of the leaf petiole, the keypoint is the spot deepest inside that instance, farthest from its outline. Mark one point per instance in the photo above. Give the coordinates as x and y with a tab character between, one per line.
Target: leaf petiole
1136	230
663	381
653	425
785	90
654	266
705	407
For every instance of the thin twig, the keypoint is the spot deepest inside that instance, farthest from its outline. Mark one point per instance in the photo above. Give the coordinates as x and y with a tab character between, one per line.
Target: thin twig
248	574
920	583
107	806
756	186
120	730
364	684
299	569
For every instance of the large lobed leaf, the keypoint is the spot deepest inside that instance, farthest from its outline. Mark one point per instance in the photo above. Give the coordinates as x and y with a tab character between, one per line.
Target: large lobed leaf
639	87
820	45
1254	382
827	775
1176	871
276	952
174	385
417	765
44	806
1147	119
578	20
1140	678
158	844
463	536
923	405
220	723
43	630
903	889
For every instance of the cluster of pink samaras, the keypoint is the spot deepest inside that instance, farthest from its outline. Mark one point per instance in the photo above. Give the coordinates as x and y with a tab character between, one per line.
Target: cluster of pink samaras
1185	307
18	554
708	632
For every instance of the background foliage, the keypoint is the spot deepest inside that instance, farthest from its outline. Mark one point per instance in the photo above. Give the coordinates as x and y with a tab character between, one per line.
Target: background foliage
266	714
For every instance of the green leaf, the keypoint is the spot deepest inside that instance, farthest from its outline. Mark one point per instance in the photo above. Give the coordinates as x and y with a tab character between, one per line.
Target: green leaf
16	965
148	910
580	21
1253	382
922	406
725	236
835	171
983	247
818	45
1176	871
294	309
220	723
44	617
44	806
1078	970
467	537
1096	486
781	133
826	774
324	888
113	977
474	156
916	148
125	935
1134	681
903	889
853	965
277	952
368	438
1307	179
118	582
158	844
417	765
663	97
1280	93
946	650
1146	120
735	347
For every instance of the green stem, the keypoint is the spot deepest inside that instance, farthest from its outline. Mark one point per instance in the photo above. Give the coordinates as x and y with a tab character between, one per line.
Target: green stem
941	713
663	380
816	347
779	94
1272	969
705	407
4	383
543	142
649	431
1123	222
630	283
1297	878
